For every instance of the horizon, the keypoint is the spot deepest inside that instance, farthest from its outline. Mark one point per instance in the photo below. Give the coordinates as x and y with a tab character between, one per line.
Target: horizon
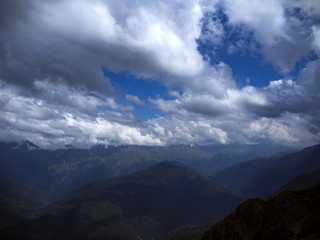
163	73
277	148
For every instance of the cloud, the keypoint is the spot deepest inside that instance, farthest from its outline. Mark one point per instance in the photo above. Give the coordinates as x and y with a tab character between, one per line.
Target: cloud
53	125
134	99
53	90
289	129
174	130
70	41
316	38
283	29
77	121
233	102
268	23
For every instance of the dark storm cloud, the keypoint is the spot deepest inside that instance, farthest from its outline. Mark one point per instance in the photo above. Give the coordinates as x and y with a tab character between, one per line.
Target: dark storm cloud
28	53
16	10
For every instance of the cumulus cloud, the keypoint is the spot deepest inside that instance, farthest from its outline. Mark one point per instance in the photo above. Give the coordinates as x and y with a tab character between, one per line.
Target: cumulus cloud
174	130
289	129
267	22
71	40
53	90
81	123
283	29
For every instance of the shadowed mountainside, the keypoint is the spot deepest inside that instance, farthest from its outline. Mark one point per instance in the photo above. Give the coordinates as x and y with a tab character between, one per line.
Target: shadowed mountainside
54	174
262	177
302	181
148	204
58	172
289	215
18	202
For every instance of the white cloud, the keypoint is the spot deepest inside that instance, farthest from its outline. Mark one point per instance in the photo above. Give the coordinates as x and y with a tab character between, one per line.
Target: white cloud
174	130
266	19
144	38
316	38
285	130
70	41
54	91
282	28
134	99
233	102
50	124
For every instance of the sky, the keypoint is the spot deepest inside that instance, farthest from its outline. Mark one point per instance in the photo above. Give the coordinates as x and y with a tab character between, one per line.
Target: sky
164	72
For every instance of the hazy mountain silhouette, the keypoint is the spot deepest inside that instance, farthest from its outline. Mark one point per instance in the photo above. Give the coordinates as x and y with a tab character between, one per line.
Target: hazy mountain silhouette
262	177
36	180
54	174
148	204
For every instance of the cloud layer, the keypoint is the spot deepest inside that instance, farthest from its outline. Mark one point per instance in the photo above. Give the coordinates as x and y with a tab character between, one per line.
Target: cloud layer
53	90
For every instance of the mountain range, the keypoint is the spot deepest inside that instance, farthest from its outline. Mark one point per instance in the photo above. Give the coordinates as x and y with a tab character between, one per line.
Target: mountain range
138	192
55	173
145	204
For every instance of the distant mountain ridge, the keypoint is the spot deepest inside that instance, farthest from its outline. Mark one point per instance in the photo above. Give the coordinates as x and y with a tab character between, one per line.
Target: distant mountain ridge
262	177
61	171
53	174
147	203
301	181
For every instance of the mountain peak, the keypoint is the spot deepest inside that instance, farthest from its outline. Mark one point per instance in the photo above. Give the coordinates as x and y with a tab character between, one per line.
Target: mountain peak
167	171
26	145
171	164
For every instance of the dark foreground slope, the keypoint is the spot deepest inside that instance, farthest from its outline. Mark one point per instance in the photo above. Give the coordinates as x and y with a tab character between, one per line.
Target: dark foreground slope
145	204
18	202
262	177
289	215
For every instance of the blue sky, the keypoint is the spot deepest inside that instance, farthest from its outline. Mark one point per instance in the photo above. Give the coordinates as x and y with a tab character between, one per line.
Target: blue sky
125	83
160	72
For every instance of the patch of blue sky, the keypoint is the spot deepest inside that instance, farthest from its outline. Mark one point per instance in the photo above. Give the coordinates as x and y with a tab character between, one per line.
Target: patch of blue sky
248	66
248	69
126	83
147	112
103	108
